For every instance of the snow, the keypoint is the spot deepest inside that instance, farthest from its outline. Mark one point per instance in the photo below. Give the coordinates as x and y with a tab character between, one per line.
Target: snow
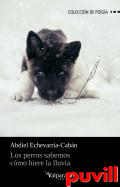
99	35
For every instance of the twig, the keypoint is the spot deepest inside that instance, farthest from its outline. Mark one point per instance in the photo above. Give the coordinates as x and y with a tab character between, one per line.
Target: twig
91	75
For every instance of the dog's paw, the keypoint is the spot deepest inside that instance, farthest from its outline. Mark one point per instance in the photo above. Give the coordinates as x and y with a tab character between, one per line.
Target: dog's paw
90	94
71	94
19	96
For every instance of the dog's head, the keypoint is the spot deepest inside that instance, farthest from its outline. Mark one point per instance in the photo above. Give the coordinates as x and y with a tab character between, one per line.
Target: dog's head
50	64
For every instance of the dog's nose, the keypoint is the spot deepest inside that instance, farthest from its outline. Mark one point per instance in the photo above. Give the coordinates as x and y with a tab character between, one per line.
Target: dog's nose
51	94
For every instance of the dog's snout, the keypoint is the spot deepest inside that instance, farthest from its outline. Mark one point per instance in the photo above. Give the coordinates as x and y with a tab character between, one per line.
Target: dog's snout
51	94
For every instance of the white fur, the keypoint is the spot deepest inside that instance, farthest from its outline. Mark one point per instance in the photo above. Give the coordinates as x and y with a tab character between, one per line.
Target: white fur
79	77
26	89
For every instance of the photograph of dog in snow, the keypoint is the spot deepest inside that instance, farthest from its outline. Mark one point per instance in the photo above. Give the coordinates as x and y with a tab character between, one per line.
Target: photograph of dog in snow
52	66
65	62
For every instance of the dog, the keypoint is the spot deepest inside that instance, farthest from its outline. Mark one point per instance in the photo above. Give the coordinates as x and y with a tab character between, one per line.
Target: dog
52	65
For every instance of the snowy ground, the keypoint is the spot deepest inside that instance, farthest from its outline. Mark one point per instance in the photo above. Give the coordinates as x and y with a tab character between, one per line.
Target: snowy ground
99	34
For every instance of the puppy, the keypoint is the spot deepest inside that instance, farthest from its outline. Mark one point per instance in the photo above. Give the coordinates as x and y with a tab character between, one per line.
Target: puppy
53	67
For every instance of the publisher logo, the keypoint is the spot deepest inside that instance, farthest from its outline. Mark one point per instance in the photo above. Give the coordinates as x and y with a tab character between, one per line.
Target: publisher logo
109	174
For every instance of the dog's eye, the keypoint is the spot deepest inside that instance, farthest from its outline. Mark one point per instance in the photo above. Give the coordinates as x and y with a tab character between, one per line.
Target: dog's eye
43	92
61	74
40	75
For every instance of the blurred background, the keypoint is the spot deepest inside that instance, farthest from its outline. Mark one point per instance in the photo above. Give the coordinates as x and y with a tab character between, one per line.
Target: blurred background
99	34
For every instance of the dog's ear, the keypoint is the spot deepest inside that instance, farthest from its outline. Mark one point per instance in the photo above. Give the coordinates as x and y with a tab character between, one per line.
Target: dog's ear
35	46
72	51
